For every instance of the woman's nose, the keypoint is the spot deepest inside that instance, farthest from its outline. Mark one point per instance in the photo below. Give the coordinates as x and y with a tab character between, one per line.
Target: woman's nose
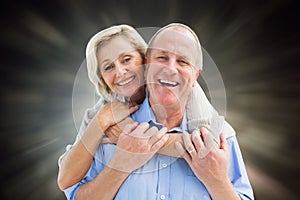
120	69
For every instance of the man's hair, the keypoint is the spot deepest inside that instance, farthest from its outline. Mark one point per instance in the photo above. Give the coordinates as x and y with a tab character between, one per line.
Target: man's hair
199	59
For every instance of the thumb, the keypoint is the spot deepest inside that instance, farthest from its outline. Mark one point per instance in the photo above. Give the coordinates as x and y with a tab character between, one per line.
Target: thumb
223	142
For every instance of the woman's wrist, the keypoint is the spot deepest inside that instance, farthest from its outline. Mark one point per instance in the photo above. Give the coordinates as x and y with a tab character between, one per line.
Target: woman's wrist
102	122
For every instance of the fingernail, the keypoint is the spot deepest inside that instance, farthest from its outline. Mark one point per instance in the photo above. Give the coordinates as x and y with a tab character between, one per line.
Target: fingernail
164	129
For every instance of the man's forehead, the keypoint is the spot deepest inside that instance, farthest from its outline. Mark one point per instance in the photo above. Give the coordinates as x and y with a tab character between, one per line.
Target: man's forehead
179	42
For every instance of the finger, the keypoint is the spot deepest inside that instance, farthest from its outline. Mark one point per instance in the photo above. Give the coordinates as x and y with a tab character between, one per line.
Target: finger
203	133
188	144
140	129
223	142
206	138
186	140
209	142
183	153
132	103
197	140
155	147
150	132
133	108
156	136
130	127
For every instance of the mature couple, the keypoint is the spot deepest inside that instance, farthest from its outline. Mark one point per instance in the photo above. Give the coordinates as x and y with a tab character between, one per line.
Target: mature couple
148	136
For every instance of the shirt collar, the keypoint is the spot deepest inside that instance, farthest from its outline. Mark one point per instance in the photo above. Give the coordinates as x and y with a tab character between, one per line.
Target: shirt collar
145	114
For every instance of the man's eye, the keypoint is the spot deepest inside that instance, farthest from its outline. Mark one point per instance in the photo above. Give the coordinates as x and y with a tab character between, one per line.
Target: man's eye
183	62
126	59
161	58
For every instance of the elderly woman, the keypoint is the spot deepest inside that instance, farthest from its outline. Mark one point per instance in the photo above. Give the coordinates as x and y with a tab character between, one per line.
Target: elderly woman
115	58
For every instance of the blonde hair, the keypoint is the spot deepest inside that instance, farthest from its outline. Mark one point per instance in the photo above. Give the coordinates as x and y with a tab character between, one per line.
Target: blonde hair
91	54
199	61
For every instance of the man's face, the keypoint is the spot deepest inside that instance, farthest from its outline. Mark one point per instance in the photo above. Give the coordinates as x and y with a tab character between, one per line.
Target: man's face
170	72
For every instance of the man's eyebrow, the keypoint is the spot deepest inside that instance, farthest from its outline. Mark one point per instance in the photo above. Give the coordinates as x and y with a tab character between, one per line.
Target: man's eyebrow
159	50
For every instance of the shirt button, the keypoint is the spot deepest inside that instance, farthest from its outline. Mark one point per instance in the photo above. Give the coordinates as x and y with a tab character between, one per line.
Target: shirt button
162	196
164	165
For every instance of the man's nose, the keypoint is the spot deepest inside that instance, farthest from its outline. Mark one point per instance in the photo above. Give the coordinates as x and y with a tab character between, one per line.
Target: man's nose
172	65
120	69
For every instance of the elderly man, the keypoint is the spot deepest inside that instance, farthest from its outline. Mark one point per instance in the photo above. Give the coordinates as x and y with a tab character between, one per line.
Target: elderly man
132	170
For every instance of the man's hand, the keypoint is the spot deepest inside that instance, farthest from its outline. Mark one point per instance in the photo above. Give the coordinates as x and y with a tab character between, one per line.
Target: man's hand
136	145
209	163
114	131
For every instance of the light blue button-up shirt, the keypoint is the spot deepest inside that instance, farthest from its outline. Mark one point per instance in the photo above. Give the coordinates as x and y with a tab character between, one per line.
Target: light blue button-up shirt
165	177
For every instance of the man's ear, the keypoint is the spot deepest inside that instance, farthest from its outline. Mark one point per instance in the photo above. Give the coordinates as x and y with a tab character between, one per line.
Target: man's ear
198	72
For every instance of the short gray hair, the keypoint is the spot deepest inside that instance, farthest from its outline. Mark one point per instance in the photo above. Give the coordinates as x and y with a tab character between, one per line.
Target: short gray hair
199	61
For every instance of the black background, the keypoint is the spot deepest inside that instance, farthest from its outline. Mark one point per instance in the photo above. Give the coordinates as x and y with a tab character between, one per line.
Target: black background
255	45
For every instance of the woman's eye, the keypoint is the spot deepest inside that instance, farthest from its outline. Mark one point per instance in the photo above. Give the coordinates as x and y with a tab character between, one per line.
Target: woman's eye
106	68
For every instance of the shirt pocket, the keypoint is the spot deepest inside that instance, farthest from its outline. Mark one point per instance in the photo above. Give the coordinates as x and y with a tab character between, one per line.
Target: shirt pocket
194	188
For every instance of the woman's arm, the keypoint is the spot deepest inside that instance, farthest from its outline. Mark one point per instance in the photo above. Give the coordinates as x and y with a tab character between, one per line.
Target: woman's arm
78	159
201	113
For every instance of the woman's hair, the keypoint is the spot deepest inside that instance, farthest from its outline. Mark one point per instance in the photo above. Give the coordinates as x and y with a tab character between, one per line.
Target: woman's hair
95	43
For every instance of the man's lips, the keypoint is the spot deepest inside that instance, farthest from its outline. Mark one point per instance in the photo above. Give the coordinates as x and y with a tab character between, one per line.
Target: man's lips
126	81
168	83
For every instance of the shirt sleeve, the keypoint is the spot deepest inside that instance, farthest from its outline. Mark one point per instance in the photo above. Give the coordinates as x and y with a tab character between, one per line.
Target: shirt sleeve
237	171
87	118
96	167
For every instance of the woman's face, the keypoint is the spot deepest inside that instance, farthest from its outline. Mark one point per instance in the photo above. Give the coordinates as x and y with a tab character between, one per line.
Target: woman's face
121	66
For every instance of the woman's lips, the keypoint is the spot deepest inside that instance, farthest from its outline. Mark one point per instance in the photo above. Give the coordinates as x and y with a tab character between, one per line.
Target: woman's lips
126	81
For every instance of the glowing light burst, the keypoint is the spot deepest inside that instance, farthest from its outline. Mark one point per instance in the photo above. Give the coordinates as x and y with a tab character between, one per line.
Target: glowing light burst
255	46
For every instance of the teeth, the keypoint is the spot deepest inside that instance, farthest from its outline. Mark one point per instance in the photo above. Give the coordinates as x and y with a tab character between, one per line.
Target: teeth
168	83
126	81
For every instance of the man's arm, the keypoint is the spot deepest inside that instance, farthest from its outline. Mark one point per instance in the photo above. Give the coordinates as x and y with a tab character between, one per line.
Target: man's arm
211	166
132	151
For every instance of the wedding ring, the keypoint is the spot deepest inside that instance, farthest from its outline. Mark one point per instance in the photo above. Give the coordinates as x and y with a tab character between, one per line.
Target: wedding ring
191	151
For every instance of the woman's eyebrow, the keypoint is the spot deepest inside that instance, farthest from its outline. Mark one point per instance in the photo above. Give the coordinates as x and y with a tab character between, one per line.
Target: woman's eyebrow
104	61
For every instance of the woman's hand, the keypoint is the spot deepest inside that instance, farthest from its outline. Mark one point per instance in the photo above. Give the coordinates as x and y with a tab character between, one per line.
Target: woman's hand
209	163
114	131
136	145
114	112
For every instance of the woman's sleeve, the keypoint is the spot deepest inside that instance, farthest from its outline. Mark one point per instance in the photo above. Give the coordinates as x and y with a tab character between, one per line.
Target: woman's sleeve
201	113
87	118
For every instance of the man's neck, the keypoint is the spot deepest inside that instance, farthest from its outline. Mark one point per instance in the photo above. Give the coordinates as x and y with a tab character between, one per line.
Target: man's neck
169	116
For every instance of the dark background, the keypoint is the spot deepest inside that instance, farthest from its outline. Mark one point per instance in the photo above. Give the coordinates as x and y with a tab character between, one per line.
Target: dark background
255	45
